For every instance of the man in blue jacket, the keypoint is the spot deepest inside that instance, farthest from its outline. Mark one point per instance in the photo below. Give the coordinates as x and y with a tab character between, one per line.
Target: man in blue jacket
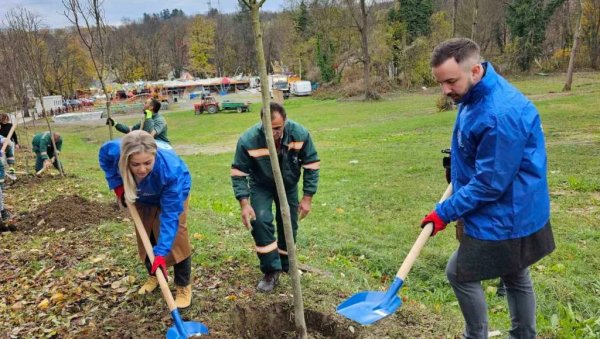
500	188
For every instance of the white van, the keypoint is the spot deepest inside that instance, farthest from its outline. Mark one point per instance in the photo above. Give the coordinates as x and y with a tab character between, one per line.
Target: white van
300	88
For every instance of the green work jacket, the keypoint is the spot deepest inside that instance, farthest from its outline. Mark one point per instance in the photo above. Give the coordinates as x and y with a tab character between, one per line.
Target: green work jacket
42	145
156	123
252	165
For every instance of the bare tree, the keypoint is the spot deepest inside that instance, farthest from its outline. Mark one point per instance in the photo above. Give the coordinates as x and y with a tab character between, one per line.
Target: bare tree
254	7
454	13
89	22
474	25
576	38
30	40
361	21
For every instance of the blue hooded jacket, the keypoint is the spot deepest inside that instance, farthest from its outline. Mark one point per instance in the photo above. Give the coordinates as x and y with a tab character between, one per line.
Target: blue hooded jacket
498	163
167	186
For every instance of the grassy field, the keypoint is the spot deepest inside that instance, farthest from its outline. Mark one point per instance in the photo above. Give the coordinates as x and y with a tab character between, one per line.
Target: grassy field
380	173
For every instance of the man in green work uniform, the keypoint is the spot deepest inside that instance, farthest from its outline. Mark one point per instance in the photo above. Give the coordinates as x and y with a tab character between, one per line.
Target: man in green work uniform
154	123
44	150
254	187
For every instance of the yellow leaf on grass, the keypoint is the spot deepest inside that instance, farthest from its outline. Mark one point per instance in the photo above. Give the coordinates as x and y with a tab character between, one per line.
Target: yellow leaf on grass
57	297
43	305
98	259
339	210
198	236
231	298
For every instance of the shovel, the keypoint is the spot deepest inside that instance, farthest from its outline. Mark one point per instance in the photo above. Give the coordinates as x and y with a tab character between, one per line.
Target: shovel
38	173
368	307
181	329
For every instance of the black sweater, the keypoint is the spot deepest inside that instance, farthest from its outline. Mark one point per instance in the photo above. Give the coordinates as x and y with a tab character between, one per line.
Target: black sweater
5	128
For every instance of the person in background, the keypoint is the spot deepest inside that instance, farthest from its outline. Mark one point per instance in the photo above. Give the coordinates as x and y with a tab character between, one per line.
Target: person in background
154	122
5	216
44	150
500	188
139	170
5	126
254	187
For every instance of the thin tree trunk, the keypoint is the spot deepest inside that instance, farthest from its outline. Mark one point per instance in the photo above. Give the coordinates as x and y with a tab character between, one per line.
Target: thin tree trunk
474	26
369	95
569	81
454	10
254	7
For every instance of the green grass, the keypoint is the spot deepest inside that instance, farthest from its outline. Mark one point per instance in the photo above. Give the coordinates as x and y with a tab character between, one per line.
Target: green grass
381	172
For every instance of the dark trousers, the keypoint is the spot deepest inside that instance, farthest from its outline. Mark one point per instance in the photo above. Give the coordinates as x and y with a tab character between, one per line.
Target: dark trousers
182	270
471	298
272	251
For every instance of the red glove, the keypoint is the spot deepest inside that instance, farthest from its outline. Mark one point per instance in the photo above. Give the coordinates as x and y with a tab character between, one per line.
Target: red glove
438	223
159	261
120	193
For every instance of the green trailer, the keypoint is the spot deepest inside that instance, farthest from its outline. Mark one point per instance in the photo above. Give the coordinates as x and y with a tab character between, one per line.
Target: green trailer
235	106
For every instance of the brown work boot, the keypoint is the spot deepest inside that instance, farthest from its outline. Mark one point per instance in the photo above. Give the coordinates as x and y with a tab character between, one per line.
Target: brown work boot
268	282
149	286
183	296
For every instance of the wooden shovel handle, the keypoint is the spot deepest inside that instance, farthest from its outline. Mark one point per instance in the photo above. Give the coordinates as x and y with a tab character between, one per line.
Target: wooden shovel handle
139	226
420	243
45	167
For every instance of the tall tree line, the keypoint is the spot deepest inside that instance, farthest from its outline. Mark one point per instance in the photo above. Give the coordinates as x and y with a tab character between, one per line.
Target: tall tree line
336	42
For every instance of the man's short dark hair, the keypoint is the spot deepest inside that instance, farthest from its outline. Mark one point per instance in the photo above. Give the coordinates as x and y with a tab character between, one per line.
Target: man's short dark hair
458	48
155	105
275	107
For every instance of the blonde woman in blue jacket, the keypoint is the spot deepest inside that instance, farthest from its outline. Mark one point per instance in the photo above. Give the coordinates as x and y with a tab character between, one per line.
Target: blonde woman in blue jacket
141	170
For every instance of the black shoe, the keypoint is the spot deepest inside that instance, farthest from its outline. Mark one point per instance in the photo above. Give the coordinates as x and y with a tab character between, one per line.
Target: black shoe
3	227
5	215
268	282
501	291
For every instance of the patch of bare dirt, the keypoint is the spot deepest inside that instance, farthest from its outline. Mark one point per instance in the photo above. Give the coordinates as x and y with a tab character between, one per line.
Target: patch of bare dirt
66	213
276	321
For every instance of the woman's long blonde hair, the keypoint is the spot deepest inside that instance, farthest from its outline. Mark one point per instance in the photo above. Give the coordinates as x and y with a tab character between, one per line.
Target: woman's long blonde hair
132	143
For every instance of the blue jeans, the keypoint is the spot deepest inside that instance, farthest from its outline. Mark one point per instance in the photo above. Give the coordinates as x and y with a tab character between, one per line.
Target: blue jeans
471	298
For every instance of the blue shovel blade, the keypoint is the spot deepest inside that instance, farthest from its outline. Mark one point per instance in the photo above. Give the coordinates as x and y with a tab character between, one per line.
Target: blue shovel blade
191	328
185	329
368	307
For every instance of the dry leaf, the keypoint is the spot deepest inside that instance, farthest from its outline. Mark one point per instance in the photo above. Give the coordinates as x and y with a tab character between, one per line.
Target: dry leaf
43	305
57	297
98	259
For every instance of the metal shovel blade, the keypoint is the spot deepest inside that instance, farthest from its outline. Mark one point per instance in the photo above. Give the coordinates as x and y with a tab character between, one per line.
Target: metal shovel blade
185	329
368	307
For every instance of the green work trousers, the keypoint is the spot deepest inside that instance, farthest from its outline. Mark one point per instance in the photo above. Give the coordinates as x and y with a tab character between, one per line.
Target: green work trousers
272	258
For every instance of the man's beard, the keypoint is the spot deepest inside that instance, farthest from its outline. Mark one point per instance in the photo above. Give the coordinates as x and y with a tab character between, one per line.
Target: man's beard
456	97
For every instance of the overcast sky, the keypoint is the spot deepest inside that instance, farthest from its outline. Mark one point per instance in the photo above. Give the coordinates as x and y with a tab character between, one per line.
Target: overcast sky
51	11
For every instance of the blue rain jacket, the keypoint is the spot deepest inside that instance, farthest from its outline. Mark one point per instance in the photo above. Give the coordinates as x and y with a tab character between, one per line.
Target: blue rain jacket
167	186
498	163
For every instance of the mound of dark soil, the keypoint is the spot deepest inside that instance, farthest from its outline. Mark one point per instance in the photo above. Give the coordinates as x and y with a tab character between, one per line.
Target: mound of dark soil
68	213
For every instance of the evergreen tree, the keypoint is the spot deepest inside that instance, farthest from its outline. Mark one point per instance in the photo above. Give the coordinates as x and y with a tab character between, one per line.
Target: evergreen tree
302	20
527	21
324	56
